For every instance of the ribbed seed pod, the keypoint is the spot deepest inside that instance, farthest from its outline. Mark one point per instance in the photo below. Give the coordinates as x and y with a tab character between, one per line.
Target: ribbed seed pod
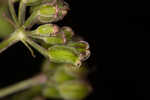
58	39
82	47
75	72
46	13
51	13
50	91
62	76
46	30
74	90
64	54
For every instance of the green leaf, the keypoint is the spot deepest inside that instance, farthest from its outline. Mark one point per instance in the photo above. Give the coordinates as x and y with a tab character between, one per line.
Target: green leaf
6	28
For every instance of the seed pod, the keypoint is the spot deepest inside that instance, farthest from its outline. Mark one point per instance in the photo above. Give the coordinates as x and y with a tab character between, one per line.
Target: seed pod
51	91
79	44
67	31
64	54
61	75
74	90
83	49
59	38
49	13
46	13
74	71
46	30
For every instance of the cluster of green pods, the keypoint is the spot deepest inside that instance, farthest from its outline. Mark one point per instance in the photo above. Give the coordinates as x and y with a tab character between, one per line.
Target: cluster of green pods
64	66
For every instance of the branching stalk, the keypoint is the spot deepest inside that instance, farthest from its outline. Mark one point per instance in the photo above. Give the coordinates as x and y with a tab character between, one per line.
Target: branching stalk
8	42
42	50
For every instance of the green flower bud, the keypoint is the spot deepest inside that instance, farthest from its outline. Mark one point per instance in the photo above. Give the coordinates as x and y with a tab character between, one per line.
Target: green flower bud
83	49
61	75
46	30
67	31
74	71
48	13
51	92
64	54
74	90
79	44
58	39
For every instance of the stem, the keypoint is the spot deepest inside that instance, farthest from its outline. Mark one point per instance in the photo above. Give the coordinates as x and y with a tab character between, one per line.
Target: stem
22	12
8	42
13	13
40	79
31	20
42	50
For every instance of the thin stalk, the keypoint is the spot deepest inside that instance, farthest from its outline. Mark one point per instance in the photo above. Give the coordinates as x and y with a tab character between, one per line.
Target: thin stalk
13	13
31	20
40	79
8	42
42	50
22	12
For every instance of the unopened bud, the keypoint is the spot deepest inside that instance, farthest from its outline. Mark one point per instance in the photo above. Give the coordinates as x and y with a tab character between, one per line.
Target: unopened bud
49	13
74	90
68	32
64	54
51	92
46	30
62	76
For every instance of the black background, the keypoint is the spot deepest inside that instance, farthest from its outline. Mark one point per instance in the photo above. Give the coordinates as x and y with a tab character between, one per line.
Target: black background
118	34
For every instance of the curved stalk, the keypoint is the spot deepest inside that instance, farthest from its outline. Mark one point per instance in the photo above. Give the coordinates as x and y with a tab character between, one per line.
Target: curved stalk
42	50
22	12
8	42
13	13
40	79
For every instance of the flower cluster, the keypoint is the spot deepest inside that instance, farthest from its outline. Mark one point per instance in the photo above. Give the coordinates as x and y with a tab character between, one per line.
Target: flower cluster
64	54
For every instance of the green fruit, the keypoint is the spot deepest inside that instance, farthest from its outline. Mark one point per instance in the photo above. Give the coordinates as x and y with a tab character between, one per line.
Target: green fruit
64	54
68	32
49	13
51	92
46	30
62	76
74	90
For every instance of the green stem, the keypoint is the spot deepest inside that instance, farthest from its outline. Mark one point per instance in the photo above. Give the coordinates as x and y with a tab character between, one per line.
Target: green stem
8	42
40	79
42	50
13	13
22	12
31	20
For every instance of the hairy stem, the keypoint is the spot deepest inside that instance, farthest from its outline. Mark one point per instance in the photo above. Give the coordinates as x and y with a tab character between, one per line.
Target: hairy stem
40	79
22	12
13	13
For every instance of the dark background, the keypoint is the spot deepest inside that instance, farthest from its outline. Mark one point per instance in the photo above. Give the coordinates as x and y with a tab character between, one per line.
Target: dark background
118	34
